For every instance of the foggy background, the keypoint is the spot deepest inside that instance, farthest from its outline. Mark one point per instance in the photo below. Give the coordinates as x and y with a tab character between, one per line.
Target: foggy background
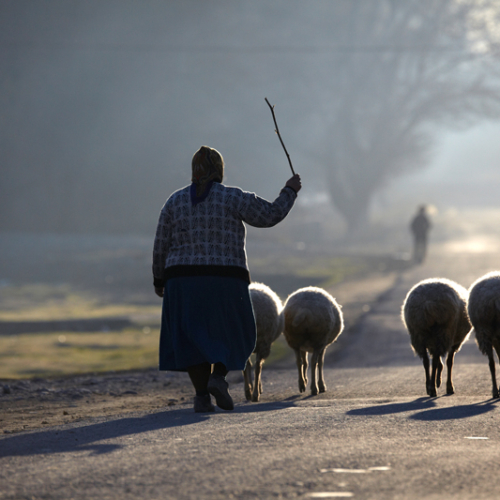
382	104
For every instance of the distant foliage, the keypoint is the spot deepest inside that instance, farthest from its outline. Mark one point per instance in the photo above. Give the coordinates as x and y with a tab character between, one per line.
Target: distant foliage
402	70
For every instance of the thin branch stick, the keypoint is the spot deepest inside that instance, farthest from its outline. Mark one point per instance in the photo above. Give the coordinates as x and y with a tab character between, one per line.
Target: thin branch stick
279	136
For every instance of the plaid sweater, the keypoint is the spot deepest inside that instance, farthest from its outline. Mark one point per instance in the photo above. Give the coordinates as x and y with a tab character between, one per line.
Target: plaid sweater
212	233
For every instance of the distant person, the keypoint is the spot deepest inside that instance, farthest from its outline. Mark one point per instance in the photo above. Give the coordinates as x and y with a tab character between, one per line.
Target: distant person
420	226
200	269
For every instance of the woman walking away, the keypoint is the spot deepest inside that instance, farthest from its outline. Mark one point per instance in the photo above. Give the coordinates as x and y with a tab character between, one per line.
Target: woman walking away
200	269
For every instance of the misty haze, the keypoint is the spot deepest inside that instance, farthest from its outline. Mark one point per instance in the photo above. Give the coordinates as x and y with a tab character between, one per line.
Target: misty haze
383	106
104	103
390	112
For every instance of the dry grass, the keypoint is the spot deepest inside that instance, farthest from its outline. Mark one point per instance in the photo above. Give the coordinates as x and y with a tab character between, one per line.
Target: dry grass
328	268
64	353
45	302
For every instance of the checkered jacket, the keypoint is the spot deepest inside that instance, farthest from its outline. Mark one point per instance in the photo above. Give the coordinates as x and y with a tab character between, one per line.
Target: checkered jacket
212	233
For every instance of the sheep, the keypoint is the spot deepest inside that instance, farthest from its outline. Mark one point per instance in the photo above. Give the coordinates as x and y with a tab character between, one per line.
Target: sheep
268	311
435	315
484	314
313	320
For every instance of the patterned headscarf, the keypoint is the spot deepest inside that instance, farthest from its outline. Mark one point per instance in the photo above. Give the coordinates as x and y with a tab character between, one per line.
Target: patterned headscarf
207	167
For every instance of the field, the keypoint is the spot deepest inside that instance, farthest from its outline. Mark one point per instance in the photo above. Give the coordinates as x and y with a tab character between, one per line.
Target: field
79	321
91	307
73	304
74	350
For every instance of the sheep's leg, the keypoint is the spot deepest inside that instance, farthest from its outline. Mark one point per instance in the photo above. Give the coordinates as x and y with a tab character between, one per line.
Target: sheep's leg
305	364
449	363
314	372
247	376
437	367
425	360
321	377
491	361
257	386
439	374
302	381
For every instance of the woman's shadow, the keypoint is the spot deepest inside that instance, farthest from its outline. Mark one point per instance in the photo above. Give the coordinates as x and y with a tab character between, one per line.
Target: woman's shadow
87	437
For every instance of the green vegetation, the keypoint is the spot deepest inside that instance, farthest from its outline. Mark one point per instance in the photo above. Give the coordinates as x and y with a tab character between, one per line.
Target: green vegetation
329	269
58	354
40	302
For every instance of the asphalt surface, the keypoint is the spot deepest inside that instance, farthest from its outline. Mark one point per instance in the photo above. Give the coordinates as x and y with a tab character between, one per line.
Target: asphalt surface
373	435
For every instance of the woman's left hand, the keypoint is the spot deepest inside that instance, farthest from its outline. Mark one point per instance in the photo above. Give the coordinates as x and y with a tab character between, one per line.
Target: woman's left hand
159	291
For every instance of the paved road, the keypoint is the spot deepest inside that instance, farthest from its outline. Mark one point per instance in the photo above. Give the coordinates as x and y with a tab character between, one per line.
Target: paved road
373	435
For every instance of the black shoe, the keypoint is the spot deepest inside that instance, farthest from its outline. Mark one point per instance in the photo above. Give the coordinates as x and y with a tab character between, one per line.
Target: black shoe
217	387
203	404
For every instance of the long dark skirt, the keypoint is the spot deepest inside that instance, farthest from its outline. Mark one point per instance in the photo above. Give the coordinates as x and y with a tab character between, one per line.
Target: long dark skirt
206	319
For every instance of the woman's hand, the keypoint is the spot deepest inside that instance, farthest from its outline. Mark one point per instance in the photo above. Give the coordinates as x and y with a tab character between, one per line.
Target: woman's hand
159	291
294	183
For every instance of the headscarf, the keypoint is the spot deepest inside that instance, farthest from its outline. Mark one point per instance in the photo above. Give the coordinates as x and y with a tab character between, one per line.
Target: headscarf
207	167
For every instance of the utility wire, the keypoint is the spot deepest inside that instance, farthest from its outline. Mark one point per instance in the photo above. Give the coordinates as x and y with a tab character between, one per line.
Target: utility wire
266	49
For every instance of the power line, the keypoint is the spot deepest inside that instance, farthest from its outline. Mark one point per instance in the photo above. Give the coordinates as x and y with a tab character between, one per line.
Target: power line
264	49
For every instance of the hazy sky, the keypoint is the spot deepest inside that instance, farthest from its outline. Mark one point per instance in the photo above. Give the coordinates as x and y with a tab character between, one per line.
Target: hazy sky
107	100
463	172
473	153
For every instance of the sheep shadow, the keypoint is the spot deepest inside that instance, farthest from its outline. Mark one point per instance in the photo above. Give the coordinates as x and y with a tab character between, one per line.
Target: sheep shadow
388	409
297	397
86	437
455	412
425	410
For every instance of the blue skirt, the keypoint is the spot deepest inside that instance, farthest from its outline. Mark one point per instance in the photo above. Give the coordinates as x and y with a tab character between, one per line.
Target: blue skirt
206	319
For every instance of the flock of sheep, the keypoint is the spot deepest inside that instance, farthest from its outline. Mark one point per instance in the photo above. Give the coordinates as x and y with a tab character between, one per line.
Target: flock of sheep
438	313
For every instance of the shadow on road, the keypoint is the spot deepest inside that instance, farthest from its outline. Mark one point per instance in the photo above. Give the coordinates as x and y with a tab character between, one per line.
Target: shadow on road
418	404
85	438
426	411
456	412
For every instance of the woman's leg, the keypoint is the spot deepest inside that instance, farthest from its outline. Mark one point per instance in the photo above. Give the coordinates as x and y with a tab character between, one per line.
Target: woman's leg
199	375
218	387
220	369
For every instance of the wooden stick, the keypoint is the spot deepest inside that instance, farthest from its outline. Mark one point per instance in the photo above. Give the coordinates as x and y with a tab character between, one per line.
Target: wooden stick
279	135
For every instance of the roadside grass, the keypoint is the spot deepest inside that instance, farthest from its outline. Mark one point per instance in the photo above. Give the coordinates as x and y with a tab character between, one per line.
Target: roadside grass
63	353
46	302
333	269
327	270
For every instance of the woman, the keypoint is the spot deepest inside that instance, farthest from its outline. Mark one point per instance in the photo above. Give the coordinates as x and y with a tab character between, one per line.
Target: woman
200	269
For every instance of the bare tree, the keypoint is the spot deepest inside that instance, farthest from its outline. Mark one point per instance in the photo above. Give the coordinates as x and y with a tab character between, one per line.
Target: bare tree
96	126
406	68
